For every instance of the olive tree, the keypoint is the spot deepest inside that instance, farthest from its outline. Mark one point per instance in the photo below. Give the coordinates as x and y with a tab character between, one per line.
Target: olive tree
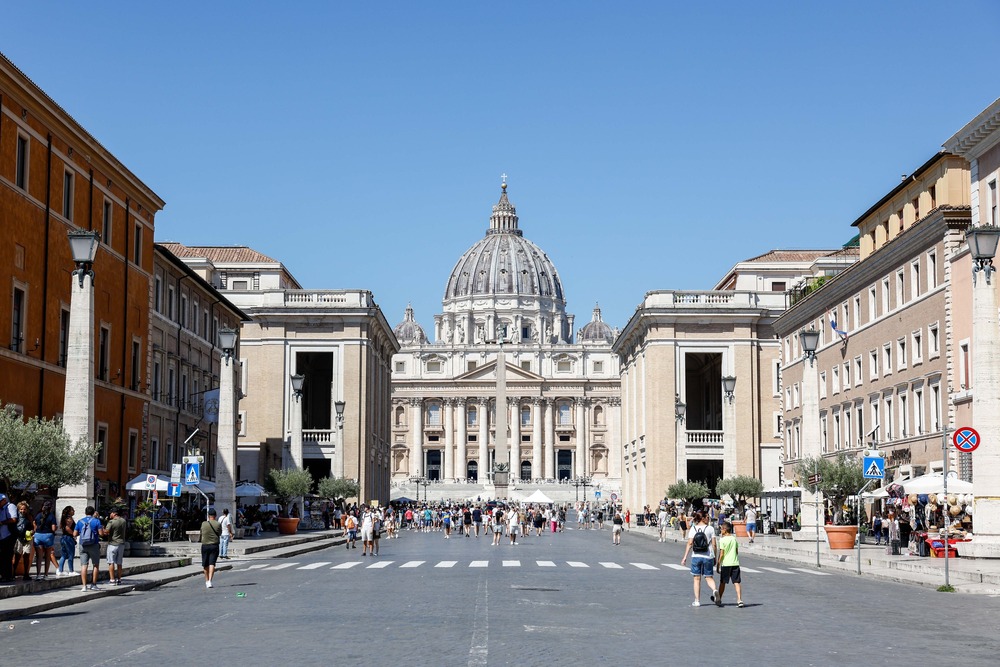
338	489
740	488
840	478
39	451
288	484
691	492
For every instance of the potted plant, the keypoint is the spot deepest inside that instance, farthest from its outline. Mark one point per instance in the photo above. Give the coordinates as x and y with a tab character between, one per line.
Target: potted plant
839	478
740	489
693	493
286	485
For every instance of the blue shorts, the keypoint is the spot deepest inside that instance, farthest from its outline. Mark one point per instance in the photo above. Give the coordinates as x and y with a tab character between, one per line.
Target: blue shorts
44	539
752	527
702	567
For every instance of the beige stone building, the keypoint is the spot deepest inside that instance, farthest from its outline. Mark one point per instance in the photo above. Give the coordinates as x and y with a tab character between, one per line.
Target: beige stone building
183	367
338	339
682	346
902	369
561	414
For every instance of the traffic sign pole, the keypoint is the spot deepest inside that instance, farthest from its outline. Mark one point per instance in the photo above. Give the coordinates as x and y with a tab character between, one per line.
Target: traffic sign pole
947	516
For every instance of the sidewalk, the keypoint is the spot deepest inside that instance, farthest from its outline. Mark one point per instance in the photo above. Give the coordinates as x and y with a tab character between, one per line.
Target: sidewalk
24	598
966	575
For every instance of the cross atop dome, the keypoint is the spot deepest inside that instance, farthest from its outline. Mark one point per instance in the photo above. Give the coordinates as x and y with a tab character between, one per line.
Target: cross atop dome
504	218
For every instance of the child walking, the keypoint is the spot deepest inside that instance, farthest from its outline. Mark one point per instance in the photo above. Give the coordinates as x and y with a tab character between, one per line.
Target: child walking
729	564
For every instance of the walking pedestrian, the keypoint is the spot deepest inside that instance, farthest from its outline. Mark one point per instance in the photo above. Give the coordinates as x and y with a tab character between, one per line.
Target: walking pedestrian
44	539
467	522
701	546
663	523
67	545
729	564
513	525
115	532
447	526
211	536
616	529
751	518
367	526
227	534
351	525
87	530
497	525
376	529
477	519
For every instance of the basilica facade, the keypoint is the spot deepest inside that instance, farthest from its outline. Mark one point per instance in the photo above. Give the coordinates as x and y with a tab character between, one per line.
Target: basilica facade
504	311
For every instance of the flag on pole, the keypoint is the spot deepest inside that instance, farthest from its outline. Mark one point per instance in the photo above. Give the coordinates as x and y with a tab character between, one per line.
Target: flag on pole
212	406
839	332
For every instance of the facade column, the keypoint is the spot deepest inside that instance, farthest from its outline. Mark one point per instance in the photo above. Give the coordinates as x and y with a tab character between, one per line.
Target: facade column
615	428
550	440
483	415
78	403
449	439
461	456
515	437
536	438
729	468
416	437
580	464
225	466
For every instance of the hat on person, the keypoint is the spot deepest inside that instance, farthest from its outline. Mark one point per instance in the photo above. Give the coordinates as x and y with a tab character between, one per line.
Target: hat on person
211	512
3	496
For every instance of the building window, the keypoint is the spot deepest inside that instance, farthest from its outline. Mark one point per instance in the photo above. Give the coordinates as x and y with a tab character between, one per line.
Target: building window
915	278
106	223
63	336
904	414
183	395
133	450
598	366
857	371
872	304
194	317
526	365
848	431
103	353
21	168
824	434
899	289
795	395
836	380
836	431
136	369
857	311
67	203
158	294
564	418
932	270
434	414
859	426
471	366
822	384
886	306
847	375
964	372
932	191
917	348
887	359
994	218
776	378
564	366
19	301
170	303
778	286
154	453
204	326
172	387
873	365
901	354
102	447
889	416
183	310
916	208
239	285
934	341
936	407
400	366
137	245
471	415
156	379
918	411
876	424
433	366
525	415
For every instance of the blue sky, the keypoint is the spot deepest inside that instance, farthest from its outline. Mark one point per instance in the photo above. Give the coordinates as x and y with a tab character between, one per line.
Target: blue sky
648	145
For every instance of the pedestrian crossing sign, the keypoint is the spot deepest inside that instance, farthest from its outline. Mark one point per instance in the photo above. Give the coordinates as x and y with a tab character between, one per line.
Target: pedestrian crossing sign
873	467
192	474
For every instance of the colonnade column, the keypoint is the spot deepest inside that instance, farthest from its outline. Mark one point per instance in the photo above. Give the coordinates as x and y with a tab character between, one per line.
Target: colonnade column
483	413
536	438
580	464
515	437
461	456
615	450
550	441
449	439
416	437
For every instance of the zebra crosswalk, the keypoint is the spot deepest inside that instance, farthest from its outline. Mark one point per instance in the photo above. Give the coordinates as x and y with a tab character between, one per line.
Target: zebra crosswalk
510	564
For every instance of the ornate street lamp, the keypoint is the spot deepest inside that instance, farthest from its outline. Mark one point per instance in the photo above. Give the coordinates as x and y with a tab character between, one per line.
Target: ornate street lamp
227	342
729	386
809	341
983	241
680	408
297	382
83	247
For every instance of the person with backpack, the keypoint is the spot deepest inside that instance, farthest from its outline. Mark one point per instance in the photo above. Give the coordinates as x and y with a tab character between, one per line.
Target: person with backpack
87	531
701	547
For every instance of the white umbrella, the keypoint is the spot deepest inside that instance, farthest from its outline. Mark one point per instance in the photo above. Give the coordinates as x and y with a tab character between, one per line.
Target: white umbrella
250	490
935	484
139	484
880	493
205	485
538	497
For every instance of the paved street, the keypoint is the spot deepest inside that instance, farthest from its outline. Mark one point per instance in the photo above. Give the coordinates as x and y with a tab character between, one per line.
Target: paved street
566	599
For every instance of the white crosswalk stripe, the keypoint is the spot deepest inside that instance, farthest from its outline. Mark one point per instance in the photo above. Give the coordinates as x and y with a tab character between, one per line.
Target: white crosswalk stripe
479	563
576	563
747	569
281	567
776	570
446	563
612	566
314	566
257	566
816	572
413	563
675	566
512	563
644	566
545	563
379	565
345	566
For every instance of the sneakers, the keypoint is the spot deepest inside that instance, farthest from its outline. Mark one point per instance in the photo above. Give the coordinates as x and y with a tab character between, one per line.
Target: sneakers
739	603
208	584
695	604
718	600
712	596
92	587
118	582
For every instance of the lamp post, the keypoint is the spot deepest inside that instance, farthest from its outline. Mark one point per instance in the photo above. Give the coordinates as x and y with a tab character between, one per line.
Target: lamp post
295	459
338	452
810	435
680	409
729	468
983	241
424	482
225	457
78	402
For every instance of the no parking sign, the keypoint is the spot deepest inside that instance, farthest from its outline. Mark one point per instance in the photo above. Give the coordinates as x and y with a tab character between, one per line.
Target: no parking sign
965	439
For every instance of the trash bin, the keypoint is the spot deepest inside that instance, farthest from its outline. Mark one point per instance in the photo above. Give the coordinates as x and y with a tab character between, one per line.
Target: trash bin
894	548
640	520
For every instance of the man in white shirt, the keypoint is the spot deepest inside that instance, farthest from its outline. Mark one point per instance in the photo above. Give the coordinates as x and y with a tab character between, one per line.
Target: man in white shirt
751	517
367	533
227	534
663	522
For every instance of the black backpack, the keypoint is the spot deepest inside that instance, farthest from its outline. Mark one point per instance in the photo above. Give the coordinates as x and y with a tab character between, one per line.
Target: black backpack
699	543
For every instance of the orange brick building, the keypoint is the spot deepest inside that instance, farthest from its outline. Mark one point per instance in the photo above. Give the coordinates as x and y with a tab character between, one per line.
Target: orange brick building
56	177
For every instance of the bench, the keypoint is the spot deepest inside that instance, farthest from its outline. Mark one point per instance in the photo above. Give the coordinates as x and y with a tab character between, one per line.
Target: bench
238	533
786	533
194	535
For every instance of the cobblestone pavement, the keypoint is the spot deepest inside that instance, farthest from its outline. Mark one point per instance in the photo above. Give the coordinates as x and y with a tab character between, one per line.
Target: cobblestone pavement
563	599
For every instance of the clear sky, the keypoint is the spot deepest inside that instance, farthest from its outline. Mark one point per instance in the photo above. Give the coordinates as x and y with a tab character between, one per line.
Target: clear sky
648	145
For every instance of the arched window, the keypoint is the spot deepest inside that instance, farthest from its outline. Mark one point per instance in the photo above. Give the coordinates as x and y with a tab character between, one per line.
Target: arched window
400	416
598	415
565	416
525	415
472	471
526	471
472	414
434	414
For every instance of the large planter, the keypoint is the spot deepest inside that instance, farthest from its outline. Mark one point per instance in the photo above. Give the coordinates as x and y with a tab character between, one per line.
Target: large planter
288	526
740	528
139	549
841	537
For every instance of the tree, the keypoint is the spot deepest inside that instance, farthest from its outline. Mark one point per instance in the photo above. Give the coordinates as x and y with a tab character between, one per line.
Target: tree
839	478
39	451
692	492
288	484
740	488
338	489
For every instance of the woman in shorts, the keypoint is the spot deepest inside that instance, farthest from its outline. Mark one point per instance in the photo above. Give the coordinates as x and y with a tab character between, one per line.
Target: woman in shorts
616	528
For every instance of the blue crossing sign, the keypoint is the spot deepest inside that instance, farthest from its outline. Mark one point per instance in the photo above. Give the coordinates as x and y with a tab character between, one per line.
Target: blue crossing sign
873	467
192	474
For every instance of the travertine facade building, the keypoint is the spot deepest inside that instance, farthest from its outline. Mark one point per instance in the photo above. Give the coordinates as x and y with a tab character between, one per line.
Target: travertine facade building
562	409
679	346
338	339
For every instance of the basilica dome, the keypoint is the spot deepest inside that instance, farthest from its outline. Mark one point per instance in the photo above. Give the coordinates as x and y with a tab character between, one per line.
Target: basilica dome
596	330
408	331
504	263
